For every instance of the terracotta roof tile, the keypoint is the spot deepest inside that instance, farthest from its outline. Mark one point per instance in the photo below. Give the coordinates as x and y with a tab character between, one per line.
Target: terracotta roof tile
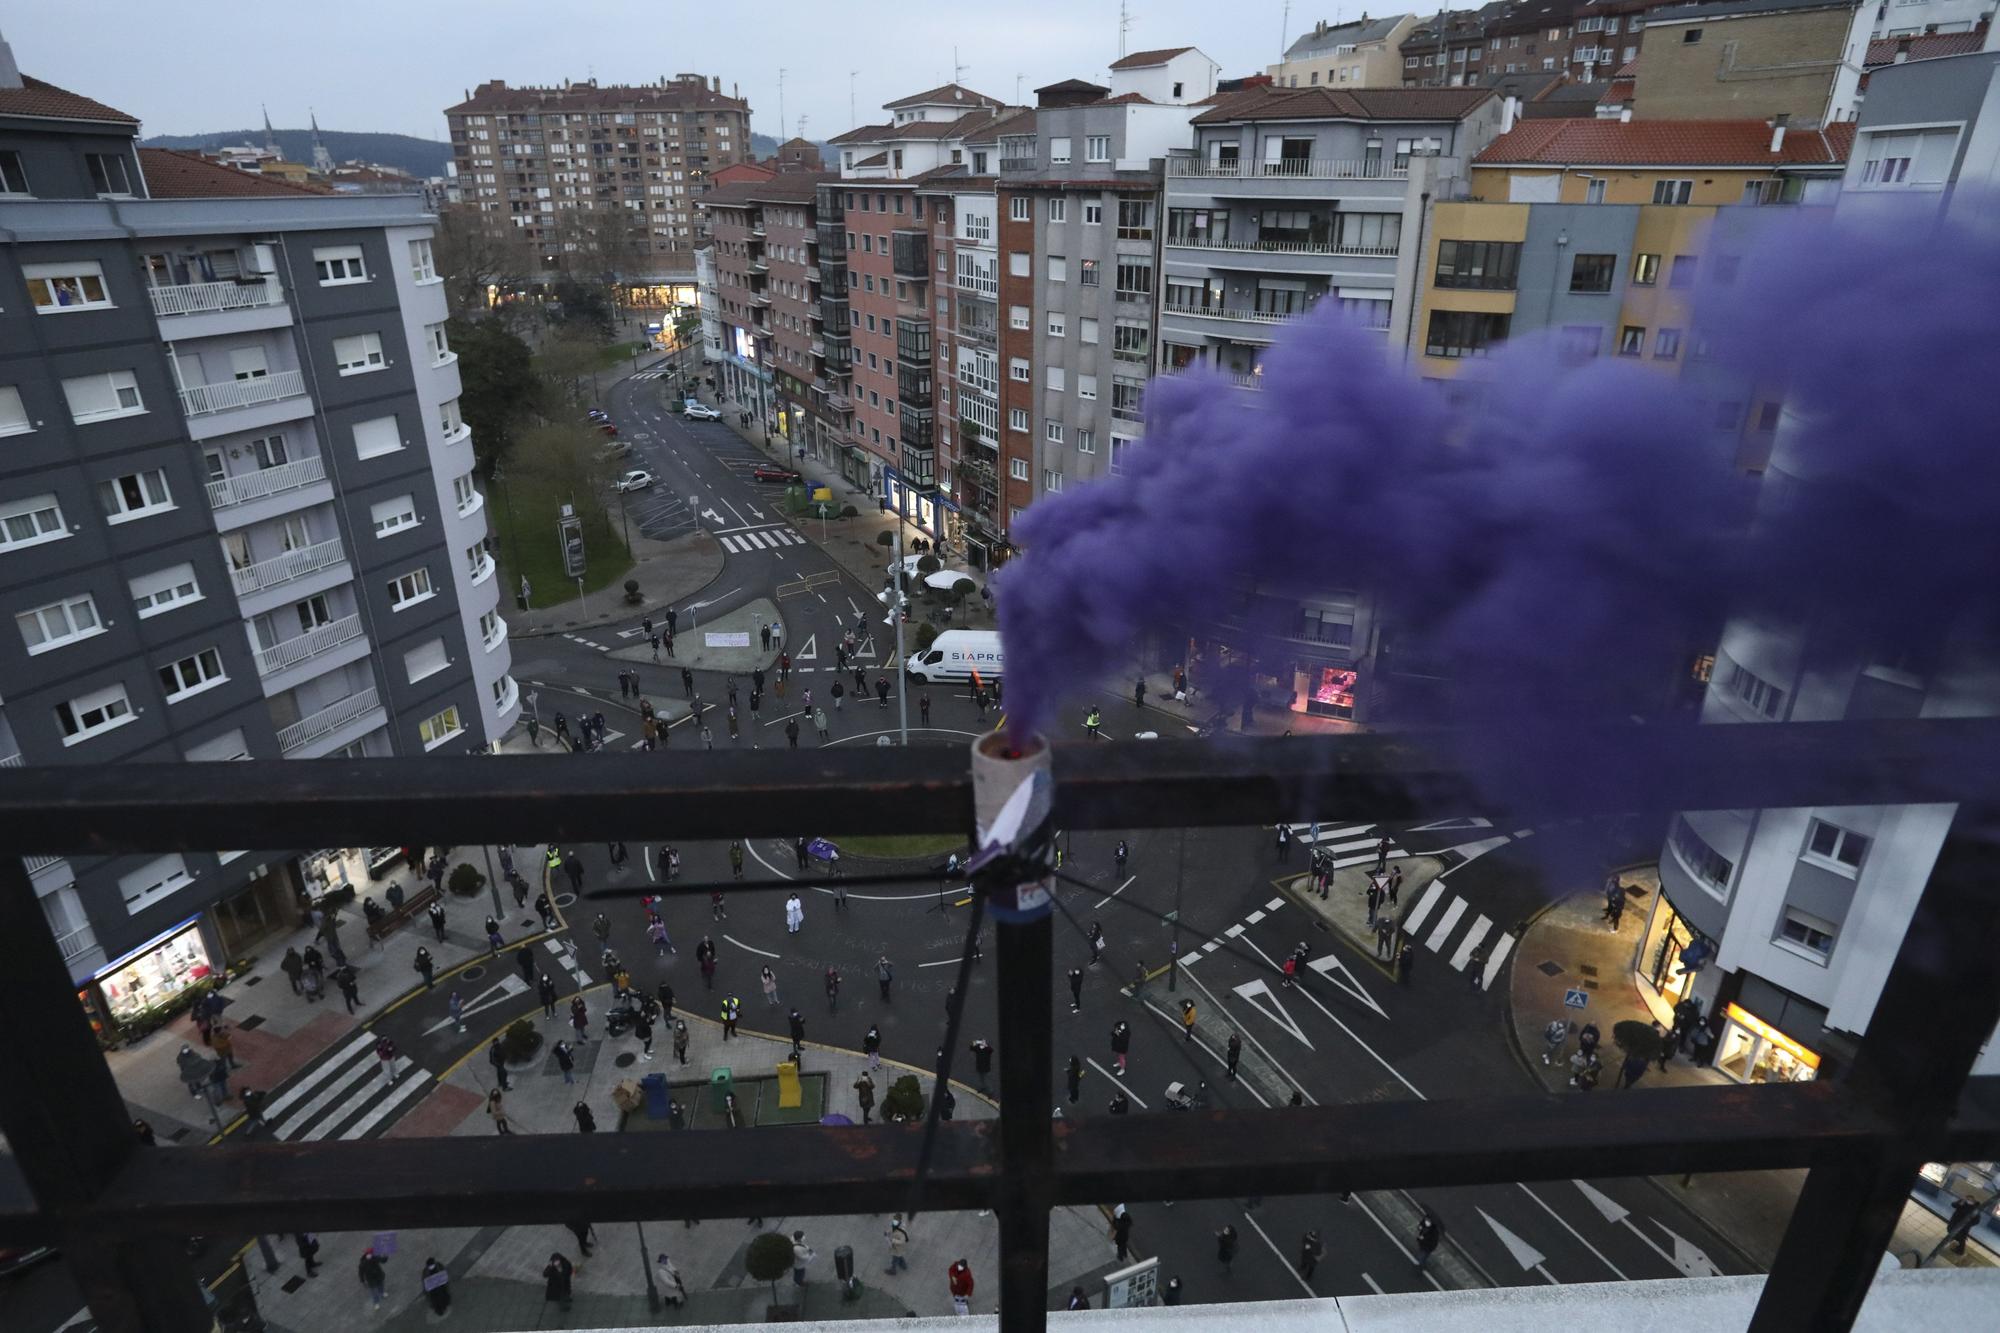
174	174
862	134
1926	46
798	187
1124	99
1616	92
1664	143
1628	70
1147	59
35	98
949	94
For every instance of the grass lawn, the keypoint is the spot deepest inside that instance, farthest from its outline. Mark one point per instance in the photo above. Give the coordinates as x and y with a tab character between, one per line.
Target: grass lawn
898	845
538	553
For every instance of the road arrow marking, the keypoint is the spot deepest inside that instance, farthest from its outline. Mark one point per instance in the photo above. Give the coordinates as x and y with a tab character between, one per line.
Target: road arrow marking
808	651
697	606
1526	1255
712	517
1336	972
508	986
1255	993
1688	1258
1473	821
755	513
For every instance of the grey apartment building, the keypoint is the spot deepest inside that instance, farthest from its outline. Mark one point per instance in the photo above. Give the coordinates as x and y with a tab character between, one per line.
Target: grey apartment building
237	511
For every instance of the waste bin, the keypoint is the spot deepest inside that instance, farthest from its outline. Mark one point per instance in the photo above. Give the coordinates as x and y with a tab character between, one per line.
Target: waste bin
721	1083
655	1088
843	1268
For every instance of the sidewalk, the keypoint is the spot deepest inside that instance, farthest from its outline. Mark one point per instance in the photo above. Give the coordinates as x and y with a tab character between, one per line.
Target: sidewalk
1571	945
669	573
696	646
496	1272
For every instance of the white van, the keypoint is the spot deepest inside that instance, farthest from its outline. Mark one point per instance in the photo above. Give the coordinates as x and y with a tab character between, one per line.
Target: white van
957	653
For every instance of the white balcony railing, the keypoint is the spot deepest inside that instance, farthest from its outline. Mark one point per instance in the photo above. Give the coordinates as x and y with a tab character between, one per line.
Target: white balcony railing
200	298
312	643
266	481
328	720
201	399
12	760
1219	312
1284	247
1298	168
284	568
76	943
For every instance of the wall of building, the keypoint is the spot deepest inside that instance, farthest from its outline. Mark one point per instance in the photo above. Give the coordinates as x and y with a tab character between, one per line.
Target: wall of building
1802	63
1187	77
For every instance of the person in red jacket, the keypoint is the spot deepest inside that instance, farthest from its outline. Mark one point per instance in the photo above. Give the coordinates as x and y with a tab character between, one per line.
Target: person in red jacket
959	1275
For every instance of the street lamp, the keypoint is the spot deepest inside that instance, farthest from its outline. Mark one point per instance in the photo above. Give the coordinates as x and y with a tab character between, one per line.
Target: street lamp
895	599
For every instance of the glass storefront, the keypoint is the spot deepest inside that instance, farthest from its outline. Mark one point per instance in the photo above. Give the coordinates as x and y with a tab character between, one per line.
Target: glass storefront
155	974
1328	691
1752	1051
1659	960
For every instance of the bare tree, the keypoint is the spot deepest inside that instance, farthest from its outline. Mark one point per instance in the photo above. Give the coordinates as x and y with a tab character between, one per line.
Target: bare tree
475	251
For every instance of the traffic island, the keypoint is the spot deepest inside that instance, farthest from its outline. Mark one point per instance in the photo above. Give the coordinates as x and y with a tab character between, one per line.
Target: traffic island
733	642
1344	909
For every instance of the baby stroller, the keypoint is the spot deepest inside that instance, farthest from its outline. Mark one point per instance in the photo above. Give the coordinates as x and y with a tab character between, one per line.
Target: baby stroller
1182	1098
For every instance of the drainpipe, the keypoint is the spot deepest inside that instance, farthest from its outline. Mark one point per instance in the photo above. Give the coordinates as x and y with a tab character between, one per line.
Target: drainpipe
1416	277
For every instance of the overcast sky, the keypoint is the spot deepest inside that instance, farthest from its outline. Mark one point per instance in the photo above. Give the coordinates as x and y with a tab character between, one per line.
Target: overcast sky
194	66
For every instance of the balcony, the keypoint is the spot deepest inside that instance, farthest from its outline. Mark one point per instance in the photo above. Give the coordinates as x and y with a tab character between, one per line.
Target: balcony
76	943
284	568
913	341
1238	315
13	760
910	250
311	644
838	402
266	481
760	267
1296	168
317	726
761	299
204	399
1283	247
201	298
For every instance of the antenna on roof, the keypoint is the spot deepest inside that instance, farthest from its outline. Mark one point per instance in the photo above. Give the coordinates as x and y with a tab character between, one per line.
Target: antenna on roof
957	69
1125	22
1017	88
781	102
802	126
1285	28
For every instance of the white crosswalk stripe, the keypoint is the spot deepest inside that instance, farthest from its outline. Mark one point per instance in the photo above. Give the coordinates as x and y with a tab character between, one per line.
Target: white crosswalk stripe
1468	942
649	375
344	1096
1452	913
761	539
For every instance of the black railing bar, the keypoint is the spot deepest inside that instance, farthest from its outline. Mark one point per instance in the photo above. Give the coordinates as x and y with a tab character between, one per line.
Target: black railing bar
1541	772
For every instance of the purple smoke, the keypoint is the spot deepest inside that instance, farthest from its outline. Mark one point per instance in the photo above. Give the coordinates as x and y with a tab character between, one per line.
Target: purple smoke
1571	527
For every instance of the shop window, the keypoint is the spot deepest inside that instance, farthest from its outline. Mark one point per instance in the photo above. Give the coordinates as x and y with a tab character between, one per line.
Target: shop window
1332	692
1752	1051
157	976
1754	690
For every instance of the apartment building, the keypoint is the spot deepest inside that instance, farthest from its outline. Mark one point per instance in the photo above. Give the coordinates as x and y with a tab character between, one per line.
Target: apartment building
1800	59
1363	54
237	510
1915	18
1290	197
1449	49
601	178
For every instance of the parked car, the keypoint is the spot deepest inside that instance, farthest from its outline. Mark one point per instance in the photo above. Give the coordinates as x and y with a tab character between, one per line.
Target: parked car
772	472
606	428
694	411
598	414
638	479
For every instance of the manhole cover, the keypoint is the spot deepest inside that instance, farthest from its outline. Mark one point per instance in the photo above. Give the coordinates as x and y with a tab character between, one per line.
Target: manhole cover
1549	969
1590	985
565	899
472	974
626	1060
253	979
254	1020
1588	969
293	1283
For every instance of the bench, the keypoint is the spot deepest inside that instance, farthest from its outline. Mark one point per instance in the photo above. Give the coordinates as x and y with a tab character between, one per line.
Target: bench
396	916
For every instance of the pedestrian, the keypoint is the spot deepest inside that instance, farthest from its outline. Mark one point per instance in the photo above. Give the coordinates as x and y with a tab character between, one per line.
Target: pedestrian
436	1285
373	1280
792	732
864	1092
1385	936
308	1245
566	1061
734	734
799	851
1311	1247
218	1081
839	693
1235	1052
1554	1037
1170	1294
819	722
764	637
556	1279
1121	1042
579	1018
1631	1071
672	856
1093	722
924	707
525	960
795	914
643	1030
979	700
1121	1232
802	1254
311	982
796	1022
1374	900
1404	958
1187	1020
1139	693
1429	1232
871	1044
899	1242
224	1045
1225	1246
1076	990
884	974
493	940
344	976
293	967
253	1107
586	1122
1074	1077
687	683
1395	884
882	691
832	989
681	1041
1475	967
959	1278
736	858
732	1010
1284	843
675	1290
982	1060
1077	1300
1139	979
314	963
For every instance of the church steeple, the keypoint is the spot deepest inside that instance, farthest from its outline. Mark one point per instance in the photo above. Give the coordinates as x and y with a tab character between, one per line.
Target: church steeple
322	160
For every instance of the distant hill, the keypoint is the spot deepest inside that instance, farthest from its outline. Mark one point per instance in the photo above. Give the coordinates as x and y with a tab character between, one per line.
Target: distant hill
406	152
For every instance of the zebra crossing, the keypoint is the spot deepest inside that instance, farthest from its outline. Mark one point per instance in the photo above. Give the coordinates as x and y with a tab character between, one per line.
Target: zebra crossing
761	539
651	375
344	1097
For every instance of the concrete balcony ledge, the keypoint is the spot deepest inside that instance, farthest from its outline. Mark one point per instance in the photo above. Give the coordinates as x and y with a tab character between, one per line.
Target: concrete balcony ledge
245	486
202	399
195	298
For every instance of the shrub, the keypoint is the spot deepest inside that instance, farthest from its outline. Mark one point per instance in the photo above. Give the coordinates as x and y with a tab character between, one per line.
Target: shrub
963	589
632	592
850	511
926	636
768	1259
904	1100
520	1041
465	881
885	538
1636	1039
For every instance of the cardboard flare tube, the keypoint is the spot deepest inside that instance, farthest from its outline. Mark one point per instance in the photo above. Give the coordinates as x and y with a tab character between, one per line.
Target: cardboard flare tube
1000	770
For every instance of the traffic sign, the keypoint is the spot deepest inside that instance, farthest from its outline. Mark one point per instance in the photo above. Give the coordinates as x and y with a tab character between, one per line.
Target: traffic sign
1575	998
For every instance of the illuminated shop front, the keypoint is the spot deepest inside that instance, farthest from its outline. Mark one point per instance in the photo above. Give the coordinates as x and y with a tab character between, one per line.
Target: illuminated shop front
151	975
1672	952
1752	1051
1326	691
660	295
932	513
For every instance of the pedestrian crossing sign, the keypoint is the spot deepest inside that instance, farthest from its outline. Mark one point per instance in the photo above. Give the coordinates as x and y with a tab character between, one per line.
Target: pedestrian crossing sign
1575	998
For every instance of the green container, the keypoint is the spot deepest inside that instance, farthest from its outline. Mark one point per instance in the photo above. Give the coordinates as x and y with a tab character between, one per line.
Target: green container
721	1083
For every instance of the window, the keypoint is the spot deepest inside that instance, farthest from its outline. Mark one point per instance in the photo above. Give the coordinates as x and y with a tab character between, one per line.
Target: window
1087	276
1593	191
464	493
1691	36
134	495
1093	213
72	286
376	437
114	393
438	728
423	267
1135	277
1126	396
490	629
1131	341
1484	264
191	675
1020	208
226	748
1645	270
1754	690
1706	863
392	516
108	175
1018	469
1666	344
1459	333
1843	849
1051	479
339	264
1017	264
406	589
1086	387
1120	444
89	714
1053	429
1135	219
13	416
1058	269
1058	209
1672	191
1592	273
1370	233
1056	378
1017	419
440	344
477	562
1086	328
1019	317
1056	324
164	590
155	879
12	179
359	354
1579	342
1631	341
1683	272
449	420
58	623
1808	931
1097	148
1019	369
426	660
1058	151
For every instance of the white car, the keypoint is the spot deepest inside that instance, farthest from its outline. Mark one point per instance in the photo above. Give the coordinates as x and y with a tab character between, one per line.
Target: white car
700	412
636	480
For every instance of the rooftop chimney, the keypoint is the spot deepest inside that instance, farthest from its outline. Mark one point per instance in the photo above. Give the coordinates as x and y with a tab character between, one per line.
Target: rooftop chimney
10	73
1625	115
1778	123
1902	49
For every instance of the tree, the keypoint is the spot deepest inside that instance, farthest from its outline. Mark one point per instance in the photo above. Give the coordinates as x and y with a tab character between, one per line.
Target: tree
1636	1039
520	1041
904	1100
768	1259
472	255
566	358
567	460
465	880
584	306
501	392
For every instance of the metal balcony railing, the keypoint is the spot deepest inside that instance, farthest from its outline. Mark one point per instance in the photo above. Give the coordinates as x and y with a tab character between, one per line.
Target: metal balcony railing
198	298
1317	168
201	399
266	481
1220	312
79	1176
74	944
328	720
312	643
284	568
1284	247
12	760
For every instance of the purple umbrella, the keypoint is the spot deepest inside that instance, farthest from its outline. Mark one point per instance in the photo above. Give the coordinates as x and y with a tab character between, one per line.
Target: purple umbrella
835	1119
